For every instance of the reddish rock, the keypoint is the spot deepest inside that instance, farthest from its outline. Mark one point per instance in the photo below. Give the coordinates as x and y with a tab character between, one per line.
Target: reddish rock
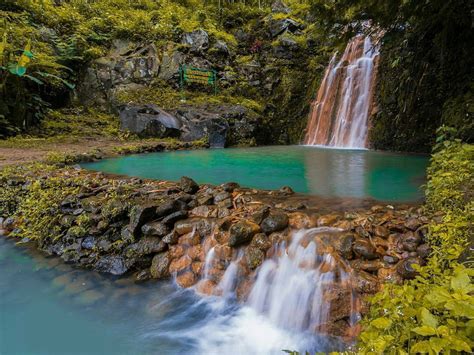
186	279
327	220
206	287
364	249
160	265
300	220
381	231
176	251
180	264
197	267
242	232
189	239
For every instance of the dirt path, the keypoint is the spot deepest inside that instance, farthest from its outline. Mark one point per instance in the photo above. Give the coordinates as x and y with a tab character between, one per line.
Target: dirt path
30	151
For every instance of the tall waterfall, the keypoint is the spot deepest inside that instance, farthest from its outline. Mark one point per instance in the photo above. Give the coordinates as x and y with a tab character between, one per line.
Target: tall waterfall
339	114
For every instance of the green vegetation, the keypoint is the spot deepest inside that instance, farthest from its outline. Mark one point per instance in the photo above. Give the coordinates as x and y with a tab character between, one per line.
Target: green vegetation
435	312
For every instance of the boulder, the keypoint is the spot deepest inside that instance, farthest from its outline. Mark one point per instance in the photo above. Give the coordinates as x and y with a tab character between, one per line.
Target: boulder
261	241
139	215
146	246
203	226
148	121
155	229
278	26
275	222
364	249
160	265
188	185
197	40
405	267
242	232
170	62
254	257
112	264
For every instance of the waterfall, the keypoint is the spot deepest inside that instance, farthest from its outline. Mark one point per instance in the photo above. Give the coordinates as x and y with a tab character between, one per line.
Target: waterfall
339	114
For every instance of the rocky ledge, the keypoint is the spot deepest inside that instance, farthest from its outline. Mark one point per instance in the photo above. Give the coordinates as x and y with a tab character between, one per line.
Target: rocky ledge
161	229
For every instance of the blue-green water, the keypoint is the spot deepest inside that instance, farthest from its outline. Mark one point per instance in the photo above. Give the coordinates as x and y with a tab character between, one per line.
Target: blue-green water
47	307
325	172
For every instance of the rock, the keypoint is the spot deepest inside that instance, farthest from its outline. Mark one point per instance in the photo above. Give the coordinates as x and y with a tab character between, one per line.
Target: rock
261	241
277	27
286	190
413	224
201	225
390	259
286	48
221	197
410	241
174	217
90	297
230	186
114	265
104	245
389	275
366	265
143	275
160	265
169	207
188	185
148	121
221	47
327	220
170	62
139	216
261	214
381	231
171	238
88	243
275	222
155	229
405	268
148	245
365	282
198	40
227	203
254	257
187	279
180	264
242	232
424	250
299	220
343	246
365	249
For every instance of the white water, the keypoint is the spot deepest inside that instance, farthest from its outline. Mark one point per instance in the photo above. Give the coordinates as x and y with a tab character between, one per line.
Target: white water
339	115
284	307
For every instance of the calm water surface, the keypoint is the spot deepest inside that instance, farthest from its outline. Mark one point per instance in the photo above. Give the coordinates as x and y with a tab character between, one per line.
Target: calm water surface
318	171
47	307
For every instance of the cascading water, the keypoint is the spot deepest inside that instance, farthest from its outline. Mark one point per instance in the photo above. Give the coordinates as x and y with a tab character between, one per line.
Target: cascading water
289	301
339	114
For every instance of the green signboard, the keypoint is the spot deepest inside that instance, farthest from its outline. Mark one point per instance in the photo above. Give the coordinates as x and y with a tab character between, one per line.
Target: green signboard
197	75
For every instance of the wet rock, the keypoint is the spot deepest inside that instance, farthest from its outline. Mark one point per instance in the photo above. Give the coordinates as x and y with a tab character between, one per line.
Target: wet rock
148	245
171	238
205	199
423	250
169	207
261	241
365	249
390	259
275	222
365	282
186	279
366	265
286	190
327	220
227	203
90	297
180	264
201	225
155	229
230	186
204	211
143	275
413	224
160	265
299	220
221	197
89	242
389	275
114	265
405	267
104	245
188	185
410	241
190	239
254	257
174	217
343	246
242	232
277	27
139	216
381	231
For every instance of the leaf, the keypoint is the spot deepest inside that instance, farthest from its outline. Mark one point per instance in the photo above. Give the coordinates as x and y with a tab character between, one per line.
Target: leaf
428	319
424	330
381	323
461	282
36	80
438	344
421	347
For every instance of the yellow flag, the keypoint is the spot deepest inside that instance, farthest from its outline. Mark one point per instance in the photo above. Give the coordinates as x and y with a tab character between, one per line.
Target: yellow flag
26	56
